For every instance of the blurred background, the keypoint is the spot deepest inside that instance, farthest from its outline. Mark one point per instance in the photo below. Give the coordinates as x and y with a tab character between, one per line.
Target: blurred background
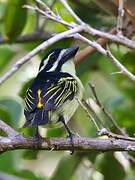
21	30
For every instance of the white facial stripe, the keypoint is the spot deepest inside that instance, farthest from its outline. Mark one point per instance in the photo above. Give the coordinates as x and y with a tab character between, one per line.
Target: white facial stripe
57	61
45	62
54	66
61	54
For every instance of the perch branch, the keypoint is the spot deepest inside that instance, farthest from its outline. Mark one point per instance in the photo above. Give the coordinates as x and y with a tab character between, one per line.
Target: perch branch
80	144
15	141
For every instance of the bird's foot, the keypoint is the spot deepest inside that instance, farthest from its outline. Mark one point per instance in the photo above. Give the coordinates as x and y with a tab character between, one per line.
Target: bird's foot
37	135
71	137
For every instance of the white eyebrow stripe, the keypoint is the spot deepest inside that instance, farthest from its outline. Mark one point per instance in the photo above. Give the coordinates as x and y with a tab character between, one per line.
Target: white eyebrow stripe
61	54
45	62
53	68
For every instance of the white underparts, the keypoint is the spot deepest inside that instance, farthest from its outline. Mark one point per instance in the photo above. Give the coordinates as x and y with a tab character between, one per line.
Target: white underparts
69	67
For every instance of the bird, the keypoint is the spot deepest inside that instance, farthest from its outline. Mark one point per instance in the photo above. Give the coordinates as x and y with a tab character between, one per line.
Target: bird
52	98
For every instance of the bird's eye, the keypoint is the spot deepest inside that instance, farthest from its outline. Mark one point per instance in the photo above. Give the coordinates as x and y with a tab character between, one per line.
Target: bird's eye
52	57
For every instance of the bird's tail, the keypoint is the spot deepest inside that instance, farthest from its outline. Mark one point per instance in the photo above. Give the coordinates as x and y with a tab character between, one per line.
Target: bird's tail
40	117
36	118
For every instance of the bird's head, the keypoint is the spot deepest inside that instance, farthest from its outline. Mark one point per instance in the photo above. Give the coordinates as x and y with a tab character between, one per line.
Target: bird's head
59	60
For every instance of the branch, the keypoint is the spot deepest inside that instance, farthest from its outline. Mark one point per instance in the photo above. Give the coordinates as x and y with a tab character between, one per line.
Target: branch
90	113
42	46
57	144
120	17
93	32
107	53
89	50
73	32
115	38
35	36
15	141
72	12
7	129
103	109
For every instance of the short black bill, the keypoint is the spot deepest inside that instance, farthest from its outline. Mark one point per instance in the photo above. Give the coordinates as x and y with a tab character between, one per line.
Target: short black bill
70	52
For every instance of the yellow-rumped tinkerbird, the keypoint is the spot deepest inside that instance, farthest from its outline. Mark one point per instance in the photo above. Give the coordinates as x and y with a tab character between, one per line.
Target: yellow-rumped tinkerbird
51	99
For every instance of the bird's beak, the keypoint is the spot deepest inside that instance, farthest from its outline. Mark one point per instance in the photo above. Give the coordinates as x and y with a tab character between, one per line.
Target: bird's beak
70	52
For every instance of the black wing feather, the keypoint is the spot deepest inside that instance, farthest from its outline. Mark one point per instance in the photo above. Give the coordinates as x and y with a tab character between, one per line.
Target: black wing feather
53	96
66	88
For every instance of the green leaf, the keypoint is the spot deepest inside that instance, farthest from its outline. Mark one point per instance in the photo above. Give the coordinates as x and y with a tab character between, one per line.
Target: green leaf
55	132
67	167
110	167
6	55
7	160
25	175
59	8
14	108
28	175
30	154
15	18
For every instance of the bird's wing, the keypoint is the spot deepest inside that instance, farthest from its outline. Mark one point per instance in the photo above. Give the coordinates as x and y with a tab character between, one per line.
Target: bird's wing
45	98
56	94
30	110
31	100
34	112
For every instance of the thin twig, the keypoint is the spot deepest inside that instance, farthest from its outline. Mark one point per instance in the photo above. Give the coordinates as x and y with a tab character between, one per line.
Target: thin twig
74	33
42	46
120	17
89	50
83	105
92	31
108	54
37	26
108	115
115	125
118	39
88	105
91	43
94	44
130	158
120	66
49	15
45	20
72	12
104	131
33	37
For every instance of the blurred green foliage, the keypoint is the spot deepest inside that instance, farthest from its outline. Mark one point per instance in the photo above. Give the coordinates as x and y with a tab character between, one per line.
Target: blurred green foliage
116	91
15	18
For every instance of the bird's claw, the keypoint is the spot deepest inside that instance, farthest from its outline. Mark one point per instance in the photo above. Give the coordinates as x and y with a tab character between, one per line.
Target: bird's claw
71	137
